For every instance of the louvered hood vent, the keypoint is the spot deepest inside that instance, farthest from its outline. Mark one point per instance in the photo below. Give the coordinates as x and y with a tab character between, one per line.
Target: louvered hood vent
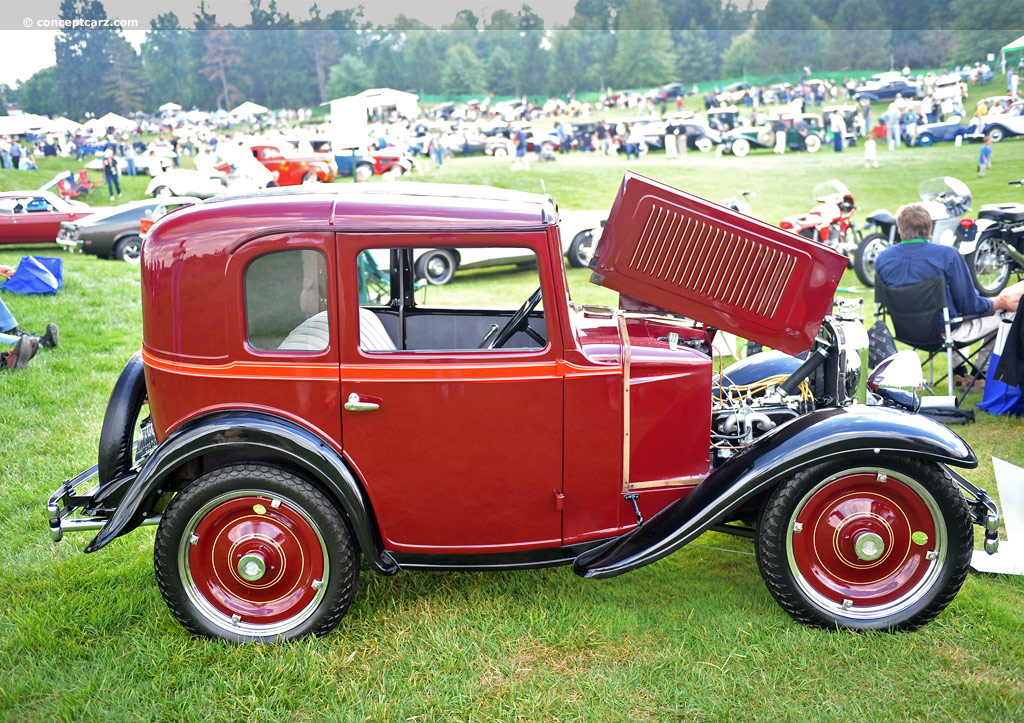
693	257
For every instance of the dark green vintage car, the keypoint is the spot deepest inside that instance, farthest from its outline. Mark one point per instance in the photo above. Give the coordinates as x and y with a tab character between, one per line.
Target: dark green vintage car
806	136
114	233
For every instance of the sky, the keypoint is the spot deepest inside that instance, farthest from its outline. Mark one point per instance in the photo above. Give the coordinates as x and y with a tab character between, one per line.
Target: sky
27	26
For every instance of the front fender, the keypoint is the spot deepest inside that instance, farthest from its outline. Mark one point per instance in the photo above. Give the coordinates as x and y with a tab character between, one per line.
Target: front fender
255	434
803	442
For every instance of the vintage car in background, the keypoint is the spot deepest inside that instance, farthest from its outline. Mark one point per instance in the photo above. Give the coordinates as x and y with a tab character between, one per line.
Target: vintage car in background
36	216
262	439
166	205
115	232
1008	123
925	134
887	86
804	132
386	161
294	169
186	182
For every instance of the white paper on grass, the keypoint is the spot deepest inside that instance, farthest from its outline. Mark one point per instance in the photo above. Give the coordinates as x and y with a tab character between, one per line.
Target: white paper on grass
1010	558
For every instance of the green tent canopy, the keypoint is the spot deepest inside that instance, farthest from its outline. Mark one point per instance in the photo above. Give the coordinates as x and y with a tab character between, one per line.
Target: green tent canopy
1012	47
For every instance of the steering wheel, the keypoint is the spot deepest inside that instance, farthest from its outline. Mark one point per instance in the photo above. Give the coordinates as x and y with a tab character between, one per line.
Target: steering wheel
518	322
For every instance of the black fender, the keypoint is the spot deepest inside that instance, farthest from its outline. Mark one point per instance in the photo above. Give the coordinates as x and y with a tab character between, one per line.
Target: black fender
881	217
115	453
801	443
254	434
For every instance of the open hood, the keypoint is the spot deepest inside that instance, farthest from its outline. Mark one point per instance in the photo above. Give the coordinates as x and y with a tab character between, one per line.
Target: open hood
688	256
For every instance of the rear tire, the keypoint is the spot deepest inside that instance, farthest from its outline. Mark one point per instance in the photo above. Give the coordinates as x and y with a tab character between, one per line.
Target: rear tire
129	250
812	143
996	133
740	147
363	172
437	266
925	140
253	553
704	145
867	543
989	265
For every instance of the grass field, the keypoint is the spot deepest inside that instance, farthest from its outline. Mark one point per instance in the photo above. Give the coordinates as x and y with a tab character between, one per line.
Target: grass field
693	637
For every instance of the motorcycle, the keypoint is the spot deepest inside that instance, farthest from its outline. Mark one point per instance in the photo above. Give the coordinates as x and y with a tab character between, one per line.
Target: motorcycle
830	222
998	251
947	200
739	202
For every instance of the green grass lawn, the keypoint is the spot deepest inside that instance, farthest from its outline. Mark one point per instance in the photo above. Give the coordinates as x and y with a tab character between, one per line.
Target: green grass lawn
695	636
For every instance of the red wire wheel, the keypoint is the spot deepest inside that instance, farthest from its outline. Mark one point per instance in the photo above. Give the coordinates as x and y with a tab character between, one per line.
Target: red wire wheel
866	547
253	552
254	560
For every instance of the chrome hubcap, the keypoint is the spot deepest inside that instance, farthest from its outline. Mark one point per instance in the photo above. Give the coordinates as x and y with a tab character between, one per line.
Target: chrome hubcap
252	567
869	546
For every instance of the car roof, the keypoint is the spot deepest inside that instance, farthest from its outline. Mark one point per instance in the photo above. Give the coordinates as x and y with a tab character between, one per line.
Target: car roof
384	206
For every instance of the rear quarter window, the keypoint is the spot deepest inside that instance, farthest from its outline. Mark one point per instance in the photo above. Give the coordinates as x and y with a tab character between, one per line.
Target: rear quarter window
286	301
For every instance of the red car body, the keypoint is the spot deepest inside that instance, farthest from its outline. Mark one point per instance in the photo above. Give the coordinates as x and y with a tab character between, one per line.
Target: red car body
35	216
412	443
293	170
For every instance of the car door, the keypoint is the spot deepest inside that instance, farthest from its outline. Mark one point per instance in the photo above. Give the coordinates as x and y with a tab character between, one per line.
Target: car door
460	448
39	222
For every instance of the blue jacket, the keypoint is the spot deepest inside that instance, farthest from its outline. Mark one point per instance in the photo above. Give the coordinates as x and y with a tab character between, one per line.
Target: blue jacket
908	263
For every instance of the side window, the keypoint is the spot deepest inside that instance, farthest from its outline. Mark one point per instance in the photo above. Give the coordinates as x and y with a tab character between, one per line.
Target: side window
286	301
465	299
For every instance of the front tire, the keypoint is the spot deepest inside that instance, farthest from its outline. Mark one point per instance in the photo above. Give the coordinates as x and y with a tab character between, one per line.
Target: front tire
581	250
740	147
812	143
996	133
875	543
253	553
989	265
925	140
866	255
704	145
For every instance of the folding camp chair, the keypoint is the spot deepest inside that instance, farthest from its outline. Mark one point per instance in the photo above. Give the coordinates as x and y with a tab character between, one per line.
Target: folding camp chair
83	181
920	319
66	190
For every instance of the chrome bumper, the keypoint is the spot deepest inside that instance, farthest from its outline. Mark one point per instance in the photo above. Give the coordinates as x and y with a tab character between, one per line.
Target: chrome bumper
66	502
983	509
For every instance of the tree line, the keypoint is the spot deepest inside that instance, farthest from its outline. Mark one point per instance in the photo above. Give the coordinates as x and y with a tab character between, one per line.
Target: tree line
283	61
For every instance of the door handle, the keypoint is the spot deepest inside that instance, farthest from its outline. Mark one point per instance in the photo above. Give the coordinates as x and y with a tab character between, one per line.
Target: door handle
355	405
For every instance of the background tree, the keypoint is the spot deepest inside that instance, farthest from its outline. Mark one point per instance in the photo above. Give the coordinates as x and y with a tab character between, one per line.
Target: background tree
984	28
82	60
41	93
856	42
787	38
124	87
220	59
501	73
348	77
532	54
422	61
167	62
461	74
697	57
644	54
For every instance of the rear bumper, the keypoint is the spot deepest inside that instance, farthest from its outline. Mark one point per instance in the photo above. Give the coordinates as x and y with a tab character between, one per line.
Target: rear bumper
66	506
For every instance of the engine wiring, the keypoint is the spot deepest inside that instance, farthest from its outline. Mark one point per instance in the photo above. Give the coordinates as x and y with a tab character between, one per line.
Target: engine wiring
734	395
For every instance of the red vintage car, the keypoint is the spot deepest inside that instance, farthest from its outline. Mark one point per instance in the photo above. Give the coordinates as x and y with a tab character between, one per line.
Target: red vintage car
294	411
293	170
36	216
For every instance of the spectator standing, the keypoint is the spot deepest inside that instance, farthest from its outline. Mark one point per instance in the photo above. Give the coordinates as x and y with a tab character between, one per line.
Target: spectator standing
15	155
985	157
838	126
174	147
1013	84
603	139
522	160
891	118
111	173
870	152
779	128
129	159
5	152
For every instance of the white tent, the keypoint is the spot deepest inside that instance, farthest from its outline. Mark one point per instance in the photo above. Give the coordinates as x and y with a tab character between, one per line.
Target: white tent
1013	47
383	98
248	109
16	125
63	125
111	120
169	108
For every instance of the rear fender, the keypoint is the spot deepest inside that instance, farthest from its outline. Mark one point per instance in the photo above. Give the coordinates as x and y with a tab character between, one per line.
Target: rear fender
255	435
808	440
981	225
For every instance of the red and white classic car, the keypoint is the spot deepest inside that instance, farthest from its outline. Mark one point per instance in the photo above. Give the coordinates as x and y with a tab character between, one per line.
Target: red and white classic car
292	170
283	427
36	216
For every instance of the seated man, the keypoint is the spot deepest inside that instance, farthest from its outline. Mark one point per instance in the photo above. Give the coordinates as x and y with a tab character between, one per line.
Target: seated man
915	259
24	344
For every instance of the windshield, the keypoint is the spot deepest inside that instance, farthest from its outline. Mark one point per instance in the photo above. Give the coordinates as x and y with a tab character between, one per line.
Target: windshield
832	191
945	188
